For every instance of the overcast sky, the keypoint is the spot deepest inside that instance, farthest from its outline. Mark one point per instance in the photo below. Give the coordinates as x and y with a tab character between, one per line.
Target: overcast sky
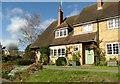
12	22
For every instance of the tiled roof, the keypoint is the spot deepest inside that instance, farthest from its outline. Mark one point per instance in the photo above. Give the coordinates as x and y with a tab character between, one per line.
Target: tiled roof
89	13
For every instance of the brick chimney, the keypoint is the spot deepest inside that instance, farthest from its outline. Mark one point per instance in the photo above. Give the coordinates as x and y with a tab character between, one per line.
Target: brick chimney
100	3
60	15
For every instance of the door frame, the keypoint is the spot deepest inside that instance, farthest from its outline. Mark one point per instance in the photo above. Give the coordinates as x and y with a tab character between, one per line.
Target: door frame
91	55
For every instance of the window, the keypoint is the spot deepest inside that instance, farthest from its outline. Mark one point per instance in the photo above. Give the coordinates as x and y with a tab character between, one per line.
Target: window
61	33
76	48
114	23
87	28
113	49
57	51
109	49
51	51
57	33
63	51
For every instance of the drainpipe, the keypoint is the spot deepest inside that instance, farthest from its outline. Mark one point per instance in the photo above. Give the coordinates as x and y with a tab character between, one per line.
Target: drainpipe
97	39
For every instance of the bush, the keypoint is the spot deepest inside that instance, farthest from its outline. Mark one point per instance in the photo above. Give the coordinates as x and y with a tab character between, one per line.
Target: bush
5	74
29	54
6	68
10	58
61	61
25	61
118	63
100	57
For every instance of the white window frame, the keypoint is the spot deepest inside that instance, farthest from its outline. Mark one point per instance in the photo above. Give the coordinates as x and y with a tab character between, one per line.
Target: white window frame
112	49
113	23
63	31
88	28
57	48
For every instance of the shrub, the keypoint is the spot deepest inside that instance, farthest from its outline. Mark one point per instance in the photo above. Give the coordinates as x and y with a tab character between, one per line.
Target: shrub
29	54
76	56
45	52
25	61
5	73
100	57
61	61
118	63
7	66
113	58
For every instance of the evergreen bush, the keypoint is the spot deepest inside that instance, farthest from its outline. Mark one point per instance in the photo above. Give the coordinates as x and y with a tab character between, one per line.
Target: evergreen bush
61	61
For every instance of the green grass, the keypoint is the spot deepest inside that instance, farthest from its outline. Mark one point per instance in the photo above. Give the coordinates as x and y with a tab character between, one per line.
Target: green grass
47	75
85	67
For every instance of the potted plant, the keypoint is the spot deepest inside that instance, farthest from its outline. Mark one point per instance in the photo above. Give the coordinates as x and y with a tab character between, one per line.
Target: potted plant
75	59
112	62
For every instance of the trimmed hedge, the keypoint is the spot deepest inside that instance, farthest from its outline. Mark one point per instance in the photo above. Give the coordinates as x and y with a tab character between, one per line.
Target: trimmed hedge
61	61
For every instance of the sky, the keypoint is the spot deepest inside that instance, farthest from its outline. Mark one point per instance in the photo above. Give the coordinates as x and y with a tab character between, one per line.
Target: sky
12	21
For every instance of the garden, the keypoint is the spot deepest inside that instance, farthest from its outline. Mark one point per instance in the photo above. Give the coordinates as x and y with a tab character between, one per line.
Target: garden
25	69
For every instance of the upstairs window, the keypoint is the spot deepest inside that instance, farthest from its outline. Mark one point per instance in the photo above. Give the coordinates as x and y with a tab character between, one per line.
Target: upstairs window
114	23
87	28
61	33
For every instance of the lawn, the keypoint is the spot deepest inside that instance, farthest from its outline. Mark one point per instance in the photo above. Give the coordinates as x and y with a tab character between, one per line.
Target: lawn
85	67
47	75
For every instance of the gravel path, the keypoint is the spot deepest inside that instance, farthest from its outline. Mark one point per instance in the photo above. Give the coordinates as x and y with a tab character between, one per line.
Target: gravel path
93	70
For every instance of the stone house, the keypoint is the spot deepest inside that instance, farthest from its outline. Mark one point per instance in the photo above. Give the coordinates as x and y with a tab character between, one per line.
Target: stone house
97	23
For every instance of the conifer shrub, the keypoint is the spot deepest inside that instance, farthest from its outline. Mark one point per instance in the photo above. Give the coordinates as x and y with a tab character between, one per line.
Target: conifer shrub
61	61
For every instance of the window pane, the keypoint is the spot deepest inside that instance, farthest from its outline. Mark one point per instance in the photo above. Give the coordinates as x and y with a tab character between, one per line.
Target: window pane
63	51
87	28
60	33
51	51
119	23
59	52
109	49
55	52
64	32
116	22
115	48
110	23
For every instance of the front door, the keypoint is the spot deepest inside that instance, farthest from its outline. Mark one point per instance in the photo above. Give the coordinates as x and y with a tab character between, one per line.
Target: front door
89	56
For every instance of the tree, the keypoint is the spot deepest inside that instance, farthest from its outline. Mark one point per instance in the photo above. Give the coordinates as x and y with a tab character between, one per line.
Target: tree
13	49
31	29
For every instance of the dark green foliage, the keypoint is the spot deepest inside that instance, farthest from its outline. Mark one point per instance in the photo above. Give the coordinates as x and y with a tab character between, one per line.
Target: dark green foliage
25	61
10	58
6	68
61	61
45	52
5	74
29	53
100	57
